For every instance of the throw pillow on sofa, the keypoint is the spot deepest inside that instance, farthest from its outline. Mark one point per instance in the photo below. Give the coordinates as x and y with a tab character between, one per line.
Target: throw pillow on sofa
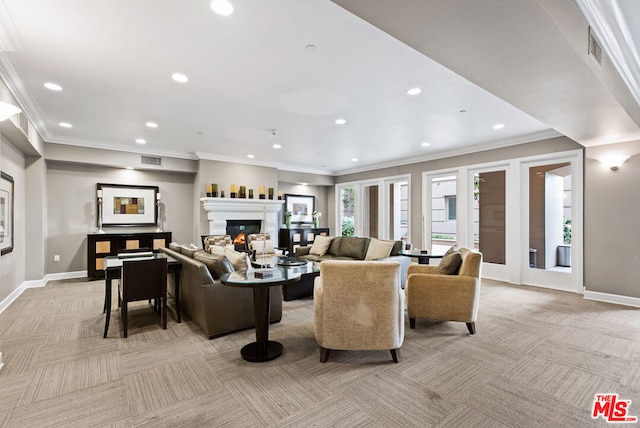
378	249
450	263
217	264
320	245
189	250
353	247
239	260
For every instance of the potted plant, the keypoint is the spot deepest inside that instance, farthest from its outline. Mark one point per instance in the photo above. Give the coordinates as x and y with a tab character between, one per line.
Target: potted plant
316	218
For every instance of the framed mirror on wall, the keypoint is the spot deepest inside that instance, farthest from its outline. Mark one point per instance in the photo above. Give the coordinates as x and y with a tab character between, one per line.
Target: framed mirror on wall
6	213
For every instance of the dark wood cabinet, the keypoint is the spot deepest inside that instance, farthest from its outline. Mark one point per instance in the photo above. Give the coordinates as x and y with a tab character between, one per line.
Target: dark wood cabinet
290	239
101	245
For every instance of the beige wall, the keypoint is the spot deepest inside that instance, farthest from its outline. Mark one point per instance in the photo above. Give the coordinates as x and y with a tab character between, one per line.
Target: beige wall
13	271
612	231
225	174
71	208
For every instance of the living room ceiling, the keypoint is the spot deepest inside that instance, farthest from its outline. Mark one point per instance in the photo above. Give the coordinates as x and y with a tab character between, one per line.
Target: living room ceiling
283	71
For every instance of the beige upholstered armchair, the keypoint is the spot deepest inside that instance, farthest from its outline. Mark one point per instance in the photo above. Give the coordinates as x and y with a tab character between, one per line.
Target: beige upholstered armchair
262	244
445	297
358	305
216	240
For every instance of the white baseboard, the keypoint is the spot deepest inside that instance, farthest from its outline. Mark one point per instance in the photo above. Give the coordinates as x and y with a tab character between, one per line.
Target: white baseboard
612	298
12	296
66	275
4	304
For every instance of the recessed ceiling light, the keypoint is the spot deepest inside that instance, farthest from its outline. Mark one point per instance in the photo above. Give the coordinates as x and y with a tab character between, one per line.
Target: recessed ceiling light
276	146
250	156
130	168
311	47
425	144
222	7
498	126
65	124
304	184
141	141
53	86
179	77
414	91
340	121
354	159
151	125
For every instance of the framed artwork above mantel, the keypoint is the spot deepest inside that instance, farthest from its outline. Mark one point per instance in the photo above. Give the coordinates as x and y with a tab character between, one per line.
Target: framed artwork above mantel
301	207
128	205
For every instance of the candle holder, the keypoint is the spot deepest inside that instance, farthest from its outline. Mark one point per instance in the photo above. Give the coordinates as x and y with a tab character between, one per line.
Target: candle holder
214	190
271	192
100	212
159	228
243	192
250	193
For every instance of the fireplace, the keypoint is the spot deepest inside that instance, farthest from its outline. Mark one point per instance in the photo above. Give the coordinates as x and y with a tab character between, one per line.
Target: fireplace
221	210
239	229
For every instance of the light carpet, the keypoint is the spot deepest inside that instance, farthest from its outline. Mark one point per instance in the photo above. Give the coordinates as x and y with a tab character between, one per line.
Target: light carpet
538	360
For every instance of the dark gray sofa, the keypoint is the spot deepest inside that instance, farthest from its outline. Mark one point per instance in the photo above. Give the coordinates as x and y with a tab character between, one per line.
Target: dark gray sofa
355	248
216	308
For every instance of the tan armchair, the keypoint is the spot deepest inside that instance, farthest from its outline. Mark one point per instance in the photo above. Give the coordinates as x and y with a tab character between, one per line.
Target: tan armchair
358	305
445	297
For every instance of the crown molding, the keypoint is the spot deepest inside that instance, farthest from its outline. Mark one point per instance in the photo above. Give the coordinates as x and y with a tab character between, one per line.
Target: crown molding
521	139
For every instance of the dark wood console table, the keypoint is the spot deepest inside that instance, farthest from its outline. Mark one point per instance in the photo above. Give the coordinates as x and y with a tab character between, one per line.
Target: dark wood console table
101	245
290	239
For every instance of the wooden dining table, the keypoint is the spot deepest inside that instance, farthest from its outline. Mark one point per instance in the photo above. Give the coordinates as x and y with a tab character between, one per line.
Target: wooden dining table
113	270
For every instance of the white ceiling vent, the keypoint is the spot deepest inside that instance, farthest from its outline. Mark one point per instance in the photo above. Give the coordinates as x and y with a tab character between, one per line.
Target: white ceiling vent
151	160
595	50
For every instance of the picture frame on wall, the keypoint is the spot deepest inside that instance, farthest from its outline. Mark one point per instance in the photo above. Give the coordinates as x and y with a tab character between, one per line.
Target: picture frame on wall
128	205
301	207
6	213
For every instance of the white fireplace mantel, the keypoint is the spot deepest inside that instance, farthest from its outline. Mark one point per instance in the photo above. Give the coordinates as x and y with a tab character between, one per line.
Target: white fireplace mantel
219	210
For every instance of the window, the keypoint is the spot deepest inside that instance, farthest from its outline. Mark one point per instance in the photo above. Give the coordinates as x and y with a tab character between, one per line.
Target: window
450	206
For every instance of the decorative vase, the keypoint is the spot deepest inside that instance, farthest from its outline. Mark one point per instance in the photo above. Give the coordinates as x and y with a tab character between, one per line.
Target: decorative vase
287	222
315	222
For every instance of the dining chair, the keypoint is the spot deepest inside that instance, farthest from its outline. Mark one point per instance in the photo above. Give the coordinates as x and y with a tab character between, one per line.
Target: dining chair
126	252
143	280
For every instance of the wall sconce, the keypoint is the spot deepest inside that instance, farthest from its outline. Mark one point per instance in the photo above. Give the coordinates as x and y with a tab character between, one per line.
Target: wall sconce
614	161
7	110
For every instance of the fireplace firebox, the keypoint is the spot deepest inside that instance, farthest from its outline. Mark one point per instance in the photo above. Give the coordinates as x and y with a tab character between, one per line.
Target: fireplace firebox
239	229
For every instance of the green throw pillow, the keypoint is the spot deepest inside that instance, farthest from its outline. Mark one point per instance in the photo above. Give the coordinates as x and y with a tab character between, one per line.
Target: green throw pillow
450	263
